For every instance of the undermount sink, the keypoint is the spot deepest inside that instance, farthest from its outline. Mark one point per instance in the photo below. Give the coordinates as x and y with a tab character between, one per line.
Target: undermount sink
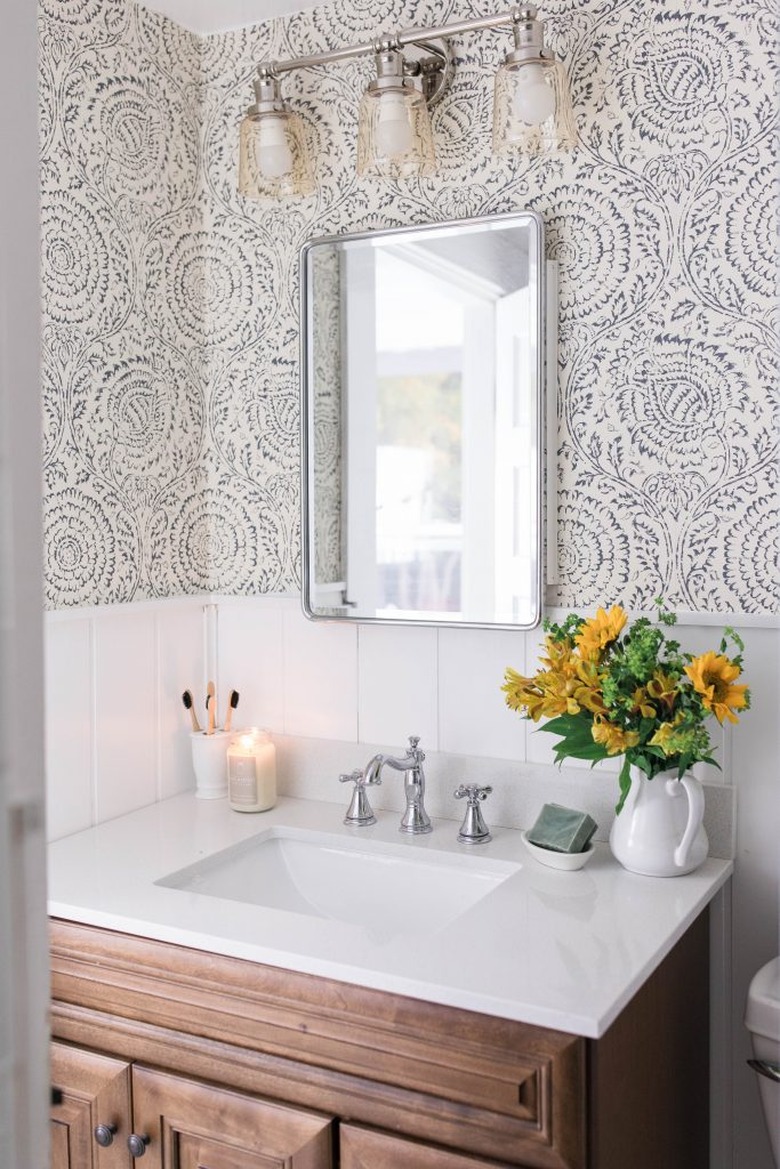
387	889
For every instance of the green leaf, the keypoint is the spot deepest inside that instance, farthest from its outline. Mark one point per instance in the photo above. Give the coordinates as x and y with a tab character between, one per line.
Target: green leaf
624	780
566	724
731	633
569	750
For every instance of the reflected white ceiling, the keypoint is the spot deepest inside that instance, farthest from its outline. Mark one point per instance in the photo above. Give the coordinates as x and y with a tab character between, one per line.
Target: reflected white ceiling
207	16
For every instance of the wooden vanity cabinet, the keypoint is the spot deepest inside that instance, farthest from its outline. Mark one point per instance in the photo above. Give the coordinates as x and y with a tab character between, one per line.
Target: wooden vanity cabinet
216	1050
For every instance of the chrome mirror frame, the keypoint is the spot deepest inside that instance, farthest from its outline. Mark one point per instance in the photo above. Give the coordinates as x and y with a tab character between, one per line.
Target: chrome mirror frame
543	367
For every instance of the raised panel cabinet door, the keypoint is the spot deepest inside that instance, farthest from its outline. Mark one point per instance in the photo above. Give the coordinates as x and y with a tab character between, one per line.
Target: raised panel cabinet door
95	1091
362	1148
191	1125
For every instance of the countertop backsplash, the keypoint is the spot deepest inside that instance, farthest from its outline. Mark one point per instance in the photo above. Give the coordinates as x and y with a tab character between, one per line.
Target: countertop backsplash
310	769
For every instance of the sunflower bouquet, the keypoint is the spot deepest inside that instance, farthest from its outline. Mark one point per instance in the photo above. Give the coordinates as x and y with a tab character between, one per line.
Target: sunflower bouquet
609	688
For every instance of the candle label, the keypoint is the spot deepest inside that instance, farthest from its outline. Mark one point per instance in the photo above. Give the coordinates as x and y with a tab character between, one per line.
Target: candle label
243	780
251	774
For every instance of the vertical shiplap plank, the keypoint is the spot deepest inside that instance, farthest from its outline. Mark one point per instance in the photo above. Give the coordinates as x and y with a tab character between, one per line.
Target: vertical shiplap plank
125	714
320	678
397	691
69	725
474	719
251	661
180	667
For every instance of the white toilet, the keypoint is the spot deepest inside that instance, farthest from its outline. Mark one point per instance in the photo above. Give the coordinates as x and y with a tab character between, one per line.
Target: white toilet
762	1019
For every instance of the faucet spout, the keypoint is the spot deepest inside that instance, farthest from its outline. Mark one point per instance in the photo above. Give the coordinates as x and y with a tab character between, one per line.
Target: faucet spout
415	818
372	769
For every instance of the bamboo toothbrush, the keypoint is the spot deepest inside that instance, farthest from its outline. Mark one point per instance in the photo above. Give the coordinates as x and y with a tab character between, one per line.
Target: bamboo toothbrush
232	704
190	706
211	707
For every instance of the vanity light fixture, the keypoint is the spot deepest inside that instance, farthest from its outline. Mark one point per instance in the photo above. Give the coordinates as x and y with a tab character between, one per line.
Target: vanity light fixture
532	107
394	127
273	155
531	103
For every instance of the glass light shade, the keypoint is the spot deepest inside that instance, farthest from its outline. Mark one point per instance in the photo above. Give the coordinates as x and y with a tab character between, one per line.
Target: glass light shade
394	134
532	110
273	158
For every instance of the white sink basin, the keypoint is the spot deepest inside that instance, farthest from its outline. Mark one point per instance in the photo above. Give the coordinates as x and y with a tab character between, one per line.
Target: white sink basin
387	889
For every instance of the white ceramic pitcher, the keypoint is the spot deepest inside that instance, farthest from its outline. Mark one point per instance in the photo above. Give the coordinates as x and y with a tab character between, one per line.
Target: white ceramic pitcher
659	831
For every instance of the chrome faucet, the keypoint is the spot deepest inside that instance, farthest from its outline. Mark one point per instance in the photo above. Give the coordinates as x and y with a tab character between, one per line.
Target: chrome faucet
415	818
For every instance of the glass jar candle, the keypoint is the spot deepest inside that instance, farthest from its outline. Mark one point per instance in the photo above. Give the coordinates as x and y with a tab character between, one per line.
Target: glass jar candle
251	768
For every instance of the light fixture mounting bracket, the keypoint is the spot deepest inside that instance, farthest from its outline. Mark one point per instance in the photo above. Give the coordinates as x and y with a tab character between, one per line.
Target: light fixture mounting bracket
433	69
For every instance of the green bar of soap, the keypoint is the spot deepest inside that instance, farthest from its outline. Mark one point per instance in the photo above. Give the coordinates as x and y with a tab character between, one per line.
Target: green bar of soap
562	829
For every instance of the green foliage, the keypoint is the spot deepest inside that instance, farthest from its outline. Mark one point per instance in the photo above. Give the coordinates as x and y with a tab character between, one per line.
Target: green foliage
567	631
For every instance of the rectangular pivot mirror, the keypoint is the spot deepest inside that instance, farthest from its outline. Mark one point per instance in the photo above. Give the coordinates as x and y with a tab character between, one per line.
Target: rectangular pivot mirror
422	376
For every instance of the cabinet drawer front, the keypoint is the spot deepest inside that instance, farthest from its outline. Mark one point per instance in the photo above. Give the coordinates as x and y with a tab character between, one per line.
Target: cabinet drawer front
362	1148
191	1125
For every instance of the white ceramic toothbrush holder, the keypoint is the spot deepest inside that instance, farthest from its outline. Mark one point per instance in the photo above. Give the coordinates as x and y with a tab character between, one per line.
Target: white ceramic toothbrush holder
209	762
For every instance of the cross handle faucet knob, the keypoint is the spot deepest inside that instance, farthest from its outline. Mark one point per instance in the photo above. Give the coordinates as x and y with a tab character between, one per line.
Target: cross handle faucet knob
360	813
472	792
473	830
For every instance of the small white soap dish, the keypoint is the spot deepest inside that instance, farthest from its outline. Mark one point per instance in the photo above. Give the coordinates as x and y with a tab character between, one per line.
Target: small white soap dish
567	861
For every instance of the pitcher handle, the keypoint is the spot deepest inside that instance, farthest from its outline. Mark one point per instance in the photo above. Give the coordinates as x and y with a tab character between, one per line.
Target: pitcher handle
695	794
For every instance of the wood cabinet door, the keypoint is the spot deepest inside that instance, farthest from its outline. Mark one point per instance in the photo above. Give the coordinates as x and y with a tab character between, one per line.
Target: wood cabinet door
362	1148
192	1125
95	1090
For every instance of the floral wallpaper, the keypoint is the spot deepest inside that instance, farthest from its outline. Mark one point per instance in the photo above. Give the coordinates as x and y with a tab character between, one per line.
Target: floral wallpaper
171	448
124	400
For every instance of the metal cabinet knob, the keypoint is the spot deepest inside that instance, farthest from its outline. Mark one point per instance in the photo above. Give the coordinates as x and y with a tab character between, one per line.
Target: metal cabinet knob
104	1135
137	1144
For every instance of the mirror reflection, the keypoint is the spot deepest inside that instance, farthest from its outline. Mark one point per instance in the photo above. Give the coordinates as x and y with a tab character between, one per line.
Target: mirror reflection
422	392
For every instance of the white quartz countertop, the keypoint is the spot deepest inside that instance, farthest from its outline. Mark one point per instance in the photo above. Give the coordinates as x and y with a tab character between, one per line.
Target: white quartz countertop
557	949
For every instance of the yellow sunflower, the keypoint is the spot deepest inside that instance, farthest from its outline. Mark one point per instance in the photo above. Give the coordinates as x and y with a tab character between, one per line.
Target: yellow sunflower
713	677
600	631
